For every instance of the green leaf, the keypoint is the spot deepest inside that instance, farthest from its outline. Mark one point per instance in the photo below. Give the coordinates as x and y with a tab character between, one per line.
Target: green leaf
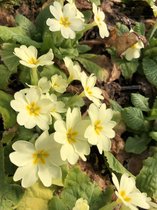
122	28
115	105
133	118
73	101
97	2
139	28
147	179
17	34
78	185
49	71
8	114
40	21
4	78
9	59
128	68
153	113
109	206
9	194
115	165
92	67
153	135
83	48
57	204
137	144
25	24
150	70
139	101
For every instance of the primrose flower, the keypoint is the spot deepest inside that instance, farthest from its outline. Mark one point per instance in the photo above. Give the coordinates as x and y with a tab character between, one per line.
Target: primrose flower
33	108
65	20
101	129
44	84
28	57
128	194
133	51
78	13
71	135
99	18
81	204
41	160
73	68
57	107
90	91
58	83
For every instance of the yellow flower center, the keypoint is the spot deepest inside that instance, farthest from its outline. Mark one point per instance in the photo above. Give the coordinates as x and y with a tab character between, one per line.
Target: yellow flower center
33	60
98	127
64	21
124	196
88	90
71	136
33	109
98	19
40	156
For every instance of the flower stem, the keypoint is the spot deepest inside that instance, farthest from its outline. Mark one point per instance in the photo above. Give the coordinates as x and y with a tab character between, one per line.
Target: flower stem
34	76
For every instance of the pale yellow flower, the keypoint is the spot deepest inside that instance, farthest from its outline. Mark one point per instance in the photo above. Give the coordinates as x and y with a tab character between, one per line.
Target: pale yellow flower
81	204
128	194
33	108
71	135
90	91
58	83
133	51
39	161
99	18
65	19
73	68
28	57
100	131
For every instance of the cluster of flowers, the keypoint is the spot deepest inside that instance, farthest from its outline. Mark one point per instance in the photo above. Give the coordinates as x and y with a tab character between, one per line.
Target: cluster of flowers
39	105
73	136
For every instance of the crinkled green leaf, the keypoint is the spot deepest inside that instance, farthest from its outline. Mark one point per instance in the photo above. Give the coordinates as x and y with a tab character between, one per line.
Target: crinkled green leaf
140	101
35	198
122	28
56	204
10	194
139	28
137	144
115	105
109	206
8	114
147	178
49	71
73	101
25	24
7	56
150	70
92	67
76	185
133	118
114	164
4	78
128	68
17	34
